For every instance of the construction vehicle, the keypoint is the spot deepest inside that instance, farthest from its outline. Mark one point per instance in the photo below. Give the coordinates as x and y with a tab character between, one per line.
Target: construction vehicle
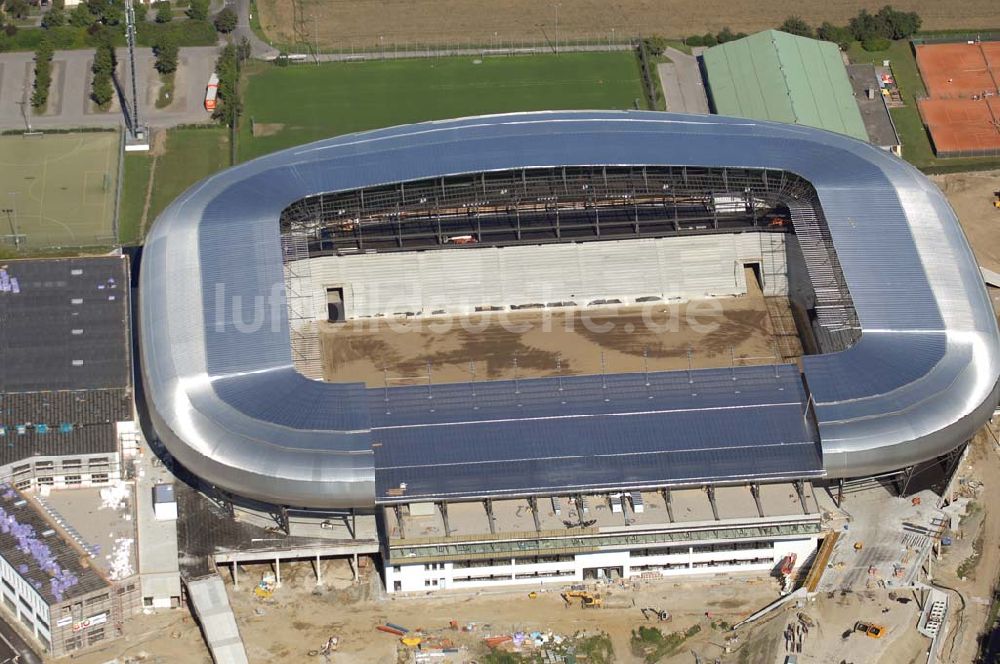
587	599
659	614
870	629
996	199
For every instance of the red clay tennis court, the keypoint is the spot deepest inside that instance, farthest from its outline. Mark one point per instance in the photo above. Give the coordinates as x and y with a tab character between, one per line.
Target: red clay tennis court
963	112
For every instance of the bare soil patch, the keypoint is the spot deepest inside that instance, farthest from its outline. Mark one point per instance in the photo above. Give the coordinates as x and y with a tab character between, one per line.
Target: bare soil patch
267	128
971	196
361	23
657	337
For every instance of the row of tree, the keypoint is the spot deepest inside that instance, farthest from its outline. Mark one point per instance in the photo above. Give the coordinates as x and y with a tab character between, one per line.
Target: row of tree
874	31
102	89
43	74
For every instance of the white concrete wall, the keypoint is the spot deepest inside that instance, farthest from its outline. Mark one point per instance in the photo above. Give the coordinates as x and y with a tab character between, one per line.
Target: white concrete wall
456	281
680	561
23	590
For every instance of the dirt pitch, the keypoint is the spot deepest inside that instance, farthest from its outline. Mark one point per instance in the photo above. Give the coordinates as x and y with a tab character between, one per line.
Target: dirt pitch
716	333
343	24
60	189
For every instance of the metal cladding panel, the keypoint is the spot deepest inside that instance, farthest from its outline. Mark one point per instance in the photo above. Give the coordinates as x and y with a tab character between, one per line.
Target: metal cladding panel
209	367
591	431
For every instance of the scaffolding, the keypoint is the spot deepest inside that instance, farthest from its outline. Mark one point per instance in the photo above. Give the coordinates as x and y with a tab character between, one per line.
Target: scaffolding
836	317
538	205
305	343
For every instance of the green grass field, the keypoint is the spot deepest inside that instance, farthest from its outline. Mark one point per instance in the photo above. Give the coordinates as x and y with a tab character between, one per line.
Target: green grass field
134	186
916	144
189	156
294	105
60	190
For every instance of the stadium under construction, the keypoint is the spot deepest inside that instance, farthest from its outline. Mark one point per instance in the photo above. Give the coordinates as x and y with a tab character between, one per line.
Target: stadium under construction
565	477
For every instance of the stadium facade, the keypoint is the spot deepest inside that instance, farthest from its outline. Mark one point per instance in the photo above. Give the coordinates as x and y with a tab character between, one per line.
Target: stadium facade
906	371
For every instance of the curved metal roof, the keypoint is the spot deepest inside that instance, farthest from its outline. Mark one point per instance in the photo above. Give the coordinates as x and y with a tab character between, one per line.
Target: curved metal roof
215	344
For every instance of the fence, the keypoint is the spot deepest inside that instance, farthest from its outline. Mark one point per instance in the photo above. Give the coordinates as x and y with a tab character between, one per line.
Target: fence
955	37
446	47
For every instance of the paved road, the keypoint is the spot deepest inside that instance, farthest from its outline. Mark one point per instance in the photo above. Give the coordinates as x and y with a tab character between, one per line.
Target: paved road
69	105
14	649
258	48
682	84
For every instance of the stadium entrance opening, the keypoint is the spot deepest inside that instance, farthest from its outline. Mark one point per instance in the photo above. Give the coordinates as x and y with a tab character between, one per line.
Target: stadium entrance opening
600	573
335	305
752	270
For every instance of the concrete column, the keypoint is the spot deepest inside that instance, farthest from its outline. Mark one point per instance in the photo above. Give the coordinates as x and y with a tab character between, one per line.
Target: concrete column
319	572
277	571
236	578
355	568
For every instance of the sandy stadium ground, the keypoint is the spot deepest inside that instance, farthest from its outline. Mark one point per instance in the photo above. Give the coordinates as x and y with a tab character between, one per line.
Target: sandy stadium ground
343	23
549	343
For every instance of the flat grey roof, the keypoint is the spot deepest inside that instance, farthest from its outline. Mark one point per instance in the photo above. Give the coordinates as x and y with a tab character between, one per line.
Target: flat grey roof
66	326
226	400
873	111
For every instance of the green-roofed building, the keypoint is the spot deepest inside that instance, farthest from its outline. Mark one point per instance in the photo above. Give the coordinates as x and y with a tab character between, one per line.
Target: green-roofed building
773	75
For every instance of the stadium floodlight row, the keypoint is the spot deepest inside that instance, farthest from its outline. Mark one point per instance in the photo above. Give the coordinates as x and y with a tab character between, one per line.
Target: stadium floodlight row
228	403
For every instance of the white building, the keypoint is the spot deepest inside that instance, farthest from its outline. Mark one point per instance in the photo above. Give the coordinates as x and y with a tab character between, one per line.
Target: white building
685	532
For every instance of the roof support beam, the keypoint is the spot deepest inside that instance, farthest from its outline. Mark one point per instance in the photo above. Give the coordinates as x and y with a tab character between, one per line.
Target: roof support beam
755	492
443	506
489	515
533	504
710	490
399	521
800	489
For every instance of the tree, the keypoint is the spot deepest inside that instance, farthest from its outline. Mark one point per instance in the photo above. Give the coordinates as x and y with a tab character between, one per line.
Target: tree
54	18
141	9
166	54
863	26
226	20
17	8
892	24
102	92
198	10
43	73
164	14
243	50
101	89
228	106
837	34
726	35
709	39
108	12
794	25
80	16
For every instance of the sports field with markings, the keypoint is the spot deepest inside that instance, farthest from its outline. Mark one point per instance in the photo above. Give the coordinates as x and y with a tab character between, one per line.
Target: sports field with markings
58	190
293	105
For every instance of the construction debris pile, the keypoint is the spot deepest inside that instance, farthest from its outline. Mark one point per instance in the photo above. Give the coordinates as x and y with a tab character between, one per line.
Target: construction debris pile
435	645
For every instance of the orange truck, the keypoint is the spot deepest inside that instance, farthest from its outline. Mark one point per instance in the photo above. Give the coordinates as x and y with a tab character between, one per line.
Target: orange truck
211	92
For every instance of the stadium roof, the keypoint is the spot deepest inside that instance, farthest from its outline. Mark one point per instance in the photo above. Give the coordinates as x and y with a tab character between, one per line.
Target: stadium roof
227	402
773	75
592	432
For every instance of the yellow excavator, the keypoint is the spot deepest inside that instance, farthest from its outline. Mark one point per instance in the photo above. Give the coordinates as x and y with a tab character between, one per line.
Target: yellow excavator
588	600
996	199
